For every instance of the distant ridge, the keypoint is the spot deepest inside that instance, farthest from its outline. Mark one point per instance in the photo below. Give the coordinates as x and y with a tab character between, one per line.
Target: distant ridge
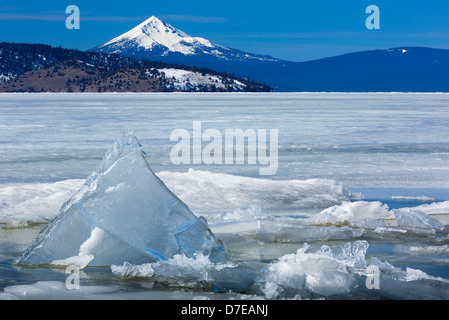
403	69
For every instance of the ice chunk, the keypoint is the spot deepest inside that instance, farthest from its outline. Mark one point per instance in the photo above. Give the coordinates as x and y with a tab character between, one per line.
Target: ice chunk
324	272
353	254
122	213
434	208
197	273
409	218
251	213
180	270
438	210
375	215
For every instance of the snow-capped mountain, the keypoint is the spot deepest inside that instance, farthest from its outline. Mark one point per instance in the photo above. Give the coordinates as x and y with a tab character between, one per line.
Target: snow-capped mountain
155	34
155	39
397	69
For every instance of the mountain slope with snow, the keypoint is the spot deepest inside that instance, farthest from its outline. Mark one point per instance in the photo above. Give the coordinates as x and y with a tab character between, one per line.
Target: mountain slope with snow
155	39
153	34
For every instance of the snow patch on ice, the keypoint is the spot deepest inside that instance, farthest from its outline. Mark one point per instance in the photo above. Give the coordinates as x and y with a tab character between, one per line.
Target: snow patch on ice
182	79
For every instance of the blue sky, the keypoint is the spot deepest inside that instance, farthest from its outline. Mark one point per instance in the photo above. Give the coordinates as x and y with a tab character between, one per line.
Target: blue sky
293	30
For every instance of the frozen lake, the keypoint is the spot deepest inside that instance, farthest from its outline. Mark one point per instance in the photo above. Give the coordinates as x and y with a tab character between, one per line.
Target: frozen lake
361	155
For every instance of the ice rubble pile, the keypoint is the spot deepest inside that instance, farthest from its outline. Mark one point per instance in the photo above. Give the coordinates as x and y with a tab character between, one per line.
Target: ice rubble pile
333	271
179	271
325	272
122	213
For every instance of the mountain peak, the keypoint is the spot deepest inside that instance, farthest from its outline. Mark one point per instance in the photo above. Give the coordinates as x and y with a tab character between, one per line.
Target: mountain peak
156	33
156	39
154	24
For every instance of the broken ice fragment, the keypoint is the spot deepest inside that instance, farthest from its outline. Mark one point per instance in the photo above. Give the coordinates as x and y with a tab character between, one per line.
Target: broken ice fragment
124	212
410	218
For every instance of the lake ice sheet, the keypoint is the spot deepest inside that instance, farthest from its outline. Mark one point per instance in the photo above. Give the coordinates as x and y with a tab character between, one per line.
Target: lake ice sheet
304	233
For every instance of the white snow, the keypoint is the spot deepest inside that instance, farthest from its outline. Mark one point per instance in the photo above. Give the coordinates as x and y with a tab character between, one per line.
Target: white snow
85	254
4	78
182	78
153	32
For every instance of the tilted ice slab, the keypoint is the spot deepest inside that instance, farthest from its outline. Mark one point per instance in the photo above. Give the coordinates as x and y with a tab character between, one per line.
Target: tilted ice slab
122	213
